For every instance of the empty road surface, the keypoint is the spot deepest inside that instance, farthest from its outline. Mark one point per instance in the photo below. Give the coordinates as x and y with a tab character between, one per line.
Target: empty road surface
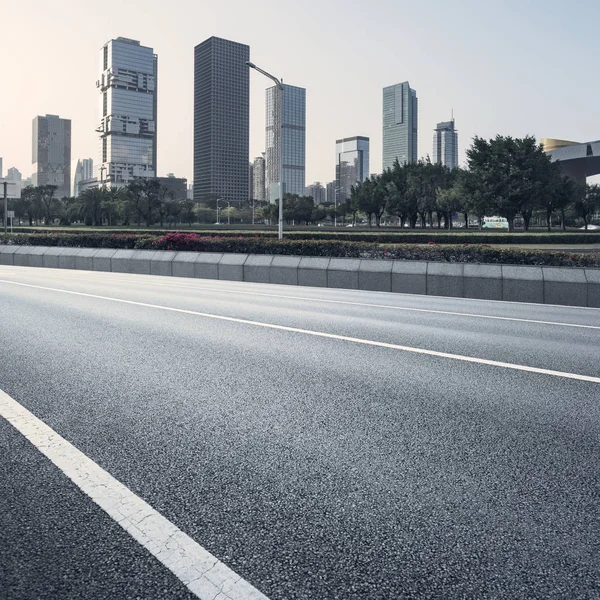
185	438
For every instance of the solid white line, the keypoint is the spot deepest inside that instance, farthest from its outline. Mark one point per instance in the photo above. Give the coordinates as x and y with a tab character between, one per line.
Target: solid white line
347	302
203	574
333	336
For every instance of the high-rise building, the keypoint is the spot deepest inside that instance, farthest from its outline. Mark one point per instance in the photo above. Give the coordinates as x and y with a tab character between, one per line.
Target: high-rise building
13	174
294	140
221	120
1	175
258	183
51	156
128	87
83	171
317	192
352	164
331	192
445	145
400	123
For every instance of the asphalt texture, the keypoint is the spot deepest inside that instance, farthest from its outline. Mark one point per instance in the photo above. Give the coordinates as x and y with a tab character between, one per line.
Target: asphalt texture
315	468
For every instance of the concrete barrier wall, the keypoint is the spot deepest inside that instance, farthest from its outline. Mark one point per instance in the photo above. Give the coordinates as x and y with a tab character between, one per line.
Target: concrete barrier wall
543	285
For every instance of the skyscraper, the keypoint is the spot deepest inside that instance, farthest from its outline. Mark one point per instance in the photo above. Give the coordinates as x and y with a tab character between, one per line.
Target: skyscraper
445	145
51	156
221	120
400	122
83	171
128	85
352	164
317	192
258	183
294	140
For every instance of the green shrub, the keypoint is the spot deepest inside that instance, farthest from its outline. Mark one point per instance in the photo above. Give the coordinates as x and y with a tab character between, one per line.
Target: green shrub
476	253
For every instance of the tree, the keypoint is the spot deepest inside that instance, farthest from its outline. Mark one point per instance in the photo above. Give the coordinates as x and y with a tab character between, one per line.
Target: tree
562	193
44	194
89	207
587	204
511	175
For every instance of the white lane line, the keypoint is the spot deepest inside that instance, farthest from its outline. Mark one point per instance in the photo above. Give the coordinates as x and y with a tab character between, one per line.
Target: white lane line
202	573
224	290
332	336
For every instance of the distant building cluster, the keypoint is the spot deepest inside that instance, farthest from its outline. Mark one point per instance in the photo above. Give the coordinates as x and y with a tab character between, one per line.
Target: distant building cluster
127	129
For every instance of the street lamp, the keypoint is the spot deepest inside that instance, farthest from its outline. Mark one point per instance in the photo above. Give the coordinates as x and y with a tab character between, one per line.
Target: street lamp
279	85
337	189
218	209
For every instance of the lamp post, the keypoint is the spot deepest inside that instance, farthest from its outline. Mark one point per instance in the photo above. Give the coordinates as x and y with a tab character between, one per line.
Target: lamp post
219	208
279	85
335	196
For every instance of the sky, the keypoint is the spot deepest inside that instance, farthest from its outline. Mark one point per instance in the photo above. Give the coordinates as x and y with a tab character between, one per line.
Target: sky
514	67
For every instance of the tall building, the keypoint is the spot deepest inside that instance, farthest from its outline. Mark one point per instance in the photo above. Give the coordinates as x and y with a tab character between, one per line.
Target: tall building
331	192
400	123
128	87
221	120
258	179
352	164
317	192
1	175
83	171
13	174
445	145
294	140
51	156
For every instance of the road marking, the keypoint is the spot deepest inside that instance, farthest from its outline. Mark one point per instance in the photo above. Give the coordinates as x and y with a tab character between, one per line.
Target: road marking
332	336
202	573
350	303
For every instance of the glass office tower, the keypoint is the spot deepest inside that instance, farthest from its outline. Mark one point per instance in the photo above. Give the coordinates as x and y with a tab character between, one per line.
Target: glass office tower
128	85
445	144
51	153
352	164
294	140
221	121
400	122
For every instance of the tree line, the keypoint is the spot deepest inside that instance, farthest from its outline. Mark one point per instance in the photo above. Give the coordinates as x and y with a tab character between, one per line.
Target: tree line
505	176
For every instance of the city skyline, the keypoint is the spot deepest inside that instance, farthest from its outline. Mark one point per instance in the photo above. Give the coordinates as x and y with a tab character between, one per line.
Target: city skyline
479	51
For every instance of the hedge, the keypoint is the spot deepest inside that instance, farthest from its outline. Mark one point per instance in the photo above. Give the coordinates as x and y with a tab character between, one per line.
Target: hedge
472	253
391	237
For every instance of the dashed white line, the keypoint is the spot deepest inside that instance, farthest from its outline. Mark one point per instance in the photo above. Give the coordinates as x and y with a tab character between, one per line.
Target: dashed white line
333	336
203	574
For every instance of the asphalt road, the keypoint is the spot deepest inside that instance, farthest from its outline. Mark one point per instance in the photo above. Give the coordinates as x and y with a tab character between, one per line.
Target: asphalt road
315	467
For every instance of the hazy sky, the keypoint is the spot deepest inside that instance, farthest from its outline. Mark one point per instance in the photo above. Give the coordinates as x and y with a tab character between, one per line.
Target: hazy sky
512	66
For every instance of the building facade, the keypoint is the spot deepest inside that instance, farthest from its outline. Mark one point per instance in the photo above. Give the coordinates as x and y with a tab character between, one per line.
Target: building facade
445	145
51	156
128	88
176	187
258	179
331	192
221	121
352	164
289	139
317	192
83	172
400	124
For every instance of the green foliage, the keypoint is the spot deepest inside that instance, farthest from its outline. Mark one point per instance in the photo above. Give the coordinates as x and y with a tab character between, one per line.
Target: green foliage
313	247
